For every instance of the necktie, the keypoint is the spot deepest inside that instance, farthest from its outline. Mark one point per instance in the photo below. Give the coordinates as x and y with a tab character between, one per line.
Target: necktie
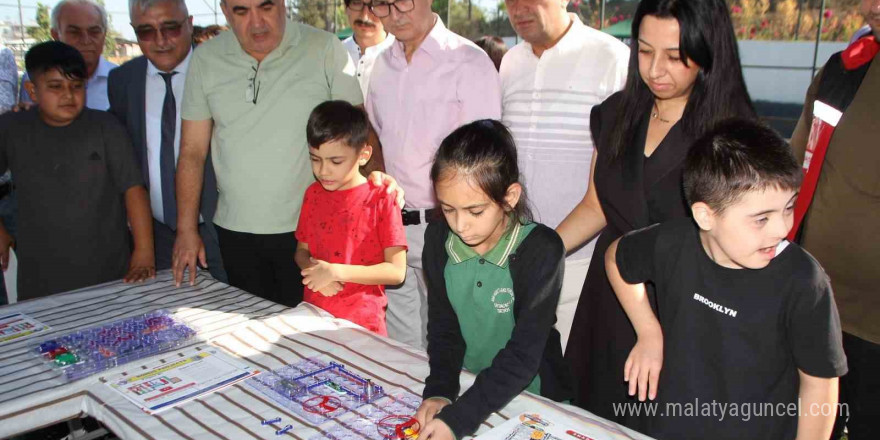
166	153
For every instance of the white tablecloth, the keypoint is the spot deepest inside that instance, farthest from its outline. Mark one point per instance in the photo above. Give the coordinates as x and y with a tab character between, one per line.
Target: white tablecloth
266	334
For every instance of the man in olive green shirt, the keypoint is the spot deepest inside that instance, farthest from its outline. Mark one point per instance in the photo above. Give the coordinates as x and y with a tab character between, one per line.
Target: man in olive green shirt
248	96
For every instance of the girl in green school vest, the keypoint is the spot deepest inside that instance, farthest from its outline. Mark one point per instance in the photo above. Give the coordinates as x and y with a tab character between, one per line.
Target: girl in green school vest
493	279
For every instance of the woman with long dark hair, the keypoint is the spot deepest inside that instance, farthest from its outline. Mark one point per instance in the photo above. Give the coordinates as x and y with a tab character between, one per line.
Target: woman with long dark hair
684	77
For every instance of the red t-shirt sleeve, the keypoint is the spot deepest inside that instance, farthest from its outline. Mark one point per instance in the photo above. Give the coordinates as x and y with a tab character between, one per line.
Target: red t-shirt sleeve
304	228
390	223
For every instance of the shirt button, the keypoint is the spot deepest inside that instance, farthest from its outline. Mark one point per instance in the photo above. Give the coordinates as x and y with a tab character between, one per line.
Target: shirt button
479	284
482	261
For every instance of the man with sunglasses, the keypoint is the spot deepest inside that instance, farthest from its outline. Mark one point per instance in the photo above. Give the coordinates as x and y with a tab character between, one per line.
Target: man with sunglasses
368	39
83	25
145	94
426	84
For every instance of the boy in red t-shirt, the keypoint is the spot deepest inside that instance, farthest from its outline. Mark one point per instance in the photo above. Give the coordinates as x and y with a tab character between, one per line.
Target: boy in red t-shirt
350	233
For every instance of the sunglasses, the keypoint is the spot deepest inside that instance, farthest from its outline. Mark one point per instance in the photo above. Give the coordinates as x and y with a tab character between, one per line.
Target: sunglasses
168	30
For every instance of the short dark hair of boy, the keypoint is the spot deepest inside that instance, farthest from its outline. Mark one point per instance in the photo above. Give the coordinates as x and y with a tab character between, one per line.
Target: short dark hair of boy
736	157
50	55
337	121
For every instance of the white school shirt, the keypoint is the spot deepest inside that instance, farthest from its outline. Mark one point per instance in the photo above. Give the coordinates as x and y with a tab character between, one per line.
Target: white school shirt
364	63
547	103
154	100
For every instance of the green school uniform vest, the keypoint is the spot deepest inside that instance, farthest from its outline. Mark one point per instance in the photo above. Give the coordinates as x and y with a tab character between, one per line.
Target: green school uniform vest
480	290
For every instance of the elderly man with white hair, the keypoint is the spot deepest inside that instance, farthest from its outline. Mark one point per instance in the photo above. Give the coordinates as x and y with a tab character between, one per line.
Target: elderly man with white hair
83	25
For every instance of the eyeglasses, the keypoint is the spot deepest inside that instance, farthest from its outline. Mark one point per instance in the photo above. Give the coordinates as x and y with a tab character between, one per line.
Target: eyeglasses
253	88
356	5
381	8
168	30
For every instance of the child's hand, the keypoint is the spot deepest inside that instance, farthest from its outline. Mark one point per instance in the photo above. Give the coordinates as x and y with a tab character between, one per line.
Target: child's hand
141	268
642	368
436	430
428	409
332	289
319	276
6	242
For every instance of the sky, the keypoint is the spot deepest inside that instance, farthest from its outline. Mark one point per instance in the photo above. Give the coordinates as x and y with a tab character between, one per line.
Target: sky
201	10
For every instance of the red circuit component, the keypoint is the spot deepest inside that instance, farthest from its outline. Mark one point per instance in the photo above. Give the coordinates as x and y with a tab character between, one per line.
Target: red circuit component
60	350
399	427
322	404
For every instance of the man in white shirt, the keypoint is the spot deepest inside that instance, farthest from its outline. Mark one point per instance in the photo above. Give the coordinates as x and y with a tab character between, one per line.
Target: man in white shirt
83	25
550	83
369	38
146	94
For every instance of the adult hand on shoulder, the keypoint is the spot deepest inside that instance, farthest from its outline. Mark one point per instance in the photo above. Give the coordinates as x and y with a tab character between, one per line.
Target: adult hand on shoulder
6	243
429	409
378	178
642	368
436	430
189	250
141	268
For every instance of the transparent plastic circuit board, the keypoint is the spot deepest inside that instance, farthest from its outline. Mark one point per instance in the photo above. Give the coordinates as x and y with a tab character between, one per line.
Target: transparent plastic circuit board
315	390
388	418
343	404
86	352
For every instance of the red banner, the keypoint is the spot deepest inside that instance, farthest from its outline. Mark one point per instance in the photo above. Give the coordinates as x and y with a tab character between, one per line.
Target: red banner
825	119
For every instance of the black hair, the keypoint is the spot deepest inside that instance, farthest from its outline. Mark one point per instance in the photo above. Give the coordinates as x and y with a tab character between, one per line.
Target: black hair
735	157
55	55
494	47
707	39
337	121
484	152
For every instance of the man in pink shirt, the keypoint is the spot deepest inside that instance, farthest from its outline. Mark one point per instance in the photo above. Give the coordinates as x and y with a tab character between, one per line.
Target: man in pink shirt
427	84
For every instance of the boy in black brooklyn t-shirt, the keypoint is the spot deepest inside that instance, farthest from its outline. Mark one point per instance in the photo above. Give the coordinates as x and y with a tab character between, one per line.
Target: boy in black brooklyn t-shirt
746	330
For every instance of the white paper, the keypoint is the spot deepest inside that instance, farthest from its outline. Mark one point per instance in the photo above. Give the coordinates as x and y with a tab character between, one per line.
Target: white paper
535	426
18	326
166	385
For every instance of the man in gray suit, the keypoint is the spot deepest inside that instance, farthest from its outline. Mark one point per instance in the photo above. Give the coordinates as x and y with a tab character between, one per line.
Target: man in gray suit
145	94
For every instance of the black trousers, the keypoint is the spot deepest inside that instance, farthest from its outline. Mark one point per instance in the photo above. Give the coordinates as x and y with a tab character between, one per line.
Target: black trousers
860	390
262	264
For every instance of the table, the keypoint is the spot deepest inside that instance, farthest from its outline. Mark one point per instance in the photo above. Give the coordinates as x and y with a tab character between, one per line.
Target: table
263	333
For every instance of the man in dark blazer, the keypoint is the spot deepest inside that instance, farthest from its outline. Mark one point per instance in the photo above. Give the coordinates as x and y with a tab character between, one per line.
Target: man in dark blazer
145	94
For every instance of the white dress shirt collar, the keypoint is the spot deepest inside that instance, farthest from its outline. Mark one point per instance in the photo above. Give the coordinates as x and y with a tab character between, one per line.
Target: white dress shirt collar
180	68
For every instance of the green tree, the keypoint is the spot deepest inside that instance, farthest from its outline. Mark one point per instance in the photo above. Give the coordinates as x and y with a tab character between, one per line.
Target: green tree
458	21
112	35
328	15
41	31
